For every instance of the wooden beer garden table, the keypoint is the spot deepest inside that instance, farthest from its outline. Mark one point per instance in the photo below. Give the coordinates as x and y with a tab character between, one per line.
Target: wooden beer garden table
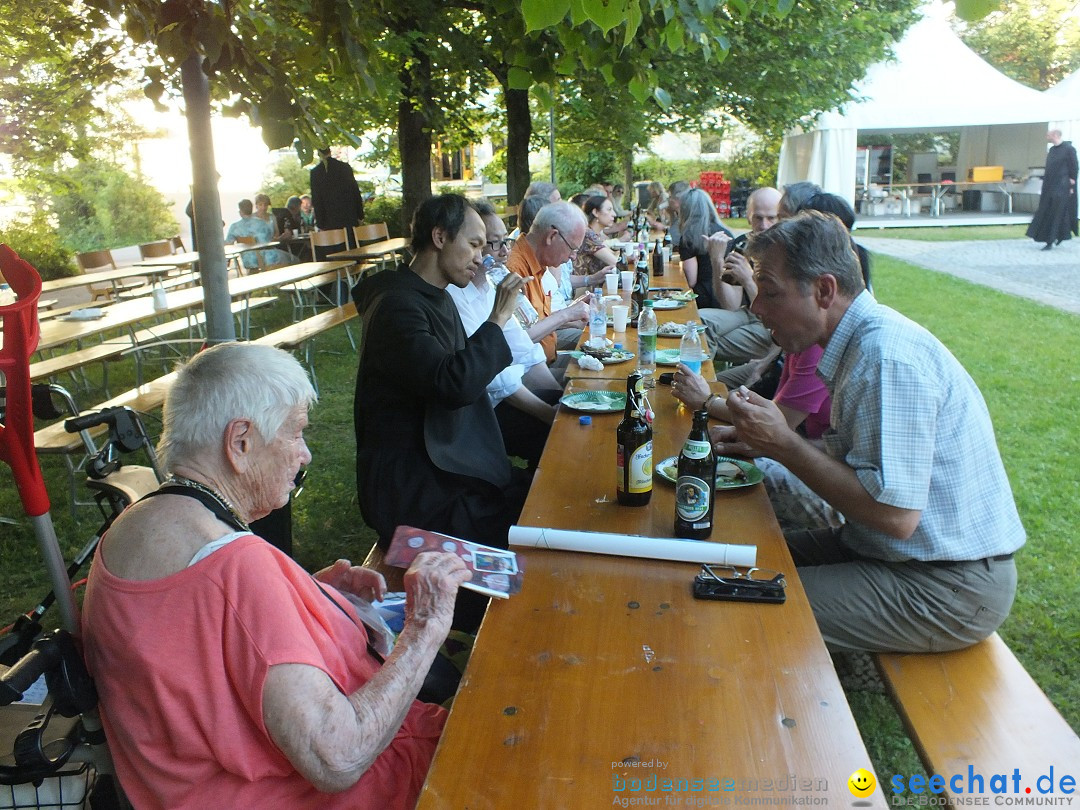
673	278
373	250
604	669
125	313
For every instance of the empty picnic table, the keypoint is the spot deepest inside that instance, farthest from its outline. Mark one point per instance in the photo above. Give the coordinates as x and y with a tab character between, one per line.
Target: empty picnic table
373	250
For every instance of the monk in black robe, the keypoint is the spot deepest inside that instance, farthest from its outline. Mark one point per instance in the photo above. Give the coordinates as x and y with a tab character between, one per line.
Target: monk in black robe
1056	218
429	452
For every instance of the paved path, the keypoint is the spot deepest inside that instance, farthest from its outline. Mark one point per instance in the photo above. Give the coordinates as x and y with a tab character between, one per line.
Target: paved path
1017	266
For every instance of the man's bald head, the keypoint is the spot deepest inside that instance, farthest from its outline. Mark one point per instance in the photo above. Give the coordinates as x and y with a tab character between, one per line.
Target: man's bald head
762	208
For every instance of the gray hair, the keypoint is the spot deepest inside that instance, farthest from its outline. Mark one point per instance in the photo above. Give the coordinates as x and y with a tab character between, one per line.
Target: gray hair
226	382
540	188
697	218
815	244
797	195
562	216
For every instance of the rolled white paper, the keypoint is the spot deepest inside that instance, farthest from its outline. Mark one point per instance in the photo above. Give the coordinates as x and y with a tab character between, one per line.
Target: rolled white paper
630	545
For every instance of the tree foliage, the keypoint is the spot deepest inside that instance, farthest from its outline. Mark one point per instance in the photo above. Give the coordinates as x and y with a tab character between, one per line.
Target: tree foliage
287	177
35	239
1035	42
57	59
102	206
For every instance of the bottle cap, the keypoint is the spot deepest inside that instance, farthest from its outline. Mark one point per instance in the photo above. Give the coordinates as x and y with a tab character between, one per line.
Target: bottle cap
584	420
618	347
649	302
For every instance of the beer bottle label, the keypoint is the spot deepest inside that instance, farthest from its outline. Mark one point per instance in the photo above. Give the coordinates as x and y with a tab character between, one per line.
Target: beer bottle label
641	469
695	449
691	499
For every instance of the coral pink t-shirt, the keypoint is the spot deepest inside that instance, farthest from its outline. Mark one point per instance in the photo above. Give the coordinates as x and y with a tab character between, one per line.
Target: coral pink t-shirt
180	664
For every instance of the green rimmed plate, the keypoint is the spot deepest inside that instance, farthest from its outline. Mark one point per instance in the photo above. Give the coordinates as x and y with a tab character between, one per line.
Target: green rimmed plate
615	356
667	357
595	401
731	473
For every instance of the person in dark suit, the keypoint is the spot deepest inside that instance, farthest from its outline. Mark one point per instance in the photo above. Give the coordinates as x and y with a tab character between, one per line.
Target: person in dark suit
335	195
1055	219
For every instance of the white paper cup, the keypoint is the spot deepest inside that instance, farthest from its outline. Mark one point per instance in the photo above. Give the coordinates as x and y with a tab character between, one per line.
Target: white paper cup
667	254
619	316
611	281
627	280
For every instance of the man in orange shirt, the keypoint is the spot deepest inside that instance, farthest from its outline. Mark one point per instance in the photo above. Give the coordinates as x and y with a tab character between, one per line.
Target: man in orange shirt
555	236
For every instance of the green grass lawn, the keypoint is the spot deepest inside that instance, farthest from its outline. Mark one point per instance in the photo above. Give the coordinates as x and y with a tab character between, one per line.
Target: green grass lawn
953	233
1021	354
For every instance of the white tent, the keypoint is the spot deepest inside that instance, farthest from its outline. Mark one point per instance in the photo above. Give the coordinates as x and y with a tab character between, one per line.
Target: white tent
934	83
1066	96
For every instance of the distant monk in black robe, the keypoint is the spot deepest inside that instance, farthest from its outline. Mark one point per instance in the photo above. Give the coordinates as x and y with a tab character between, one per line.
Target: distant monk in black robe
335	196
1056	219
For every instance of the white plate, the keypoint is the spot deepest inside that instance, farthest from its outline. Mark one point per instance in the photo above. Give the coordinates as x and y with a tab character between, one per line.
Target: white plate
668	303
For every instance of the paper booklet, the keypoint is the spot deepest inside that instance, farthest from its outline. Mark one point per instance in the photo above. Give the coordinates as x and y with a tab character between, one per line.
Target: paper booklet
495	572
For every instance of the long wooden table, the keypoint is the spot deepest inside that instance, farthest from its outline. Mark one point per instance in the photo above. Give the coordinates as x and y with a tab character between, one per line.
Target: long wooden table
605	670
110	276
125	313
673	277
373	250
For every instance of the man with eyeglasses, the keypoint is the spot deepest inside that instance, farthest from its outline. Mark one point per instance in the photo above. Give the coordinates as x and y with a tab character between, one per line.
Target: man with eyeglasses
555	236
525	392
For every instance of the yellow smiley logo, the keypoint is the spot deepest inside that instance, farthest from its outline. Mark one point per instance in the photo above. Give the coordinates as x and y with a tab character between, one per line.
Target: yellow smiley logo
861	783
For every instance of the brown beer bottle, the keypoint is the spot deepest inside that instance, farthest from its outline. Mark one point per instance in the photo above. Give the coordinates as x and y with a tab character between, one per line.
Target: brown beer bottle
695	485
657	259
633	441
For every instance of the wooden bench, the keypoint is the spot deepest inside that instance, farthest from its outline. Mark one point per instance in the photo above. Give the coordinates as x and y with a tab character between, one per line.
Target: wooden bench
979	708
142	339
303	332
54	440
186	279
311	287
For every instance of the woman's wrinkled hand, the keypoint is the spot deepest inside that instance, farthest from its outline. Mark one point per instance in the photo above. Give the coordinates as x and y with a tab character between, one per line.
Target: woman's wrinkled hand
431	586
355	579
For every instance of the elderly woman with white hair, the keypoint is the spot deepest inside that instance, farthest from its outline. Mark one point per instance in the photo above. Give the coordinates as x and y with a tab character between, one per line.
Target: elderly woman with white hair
228	676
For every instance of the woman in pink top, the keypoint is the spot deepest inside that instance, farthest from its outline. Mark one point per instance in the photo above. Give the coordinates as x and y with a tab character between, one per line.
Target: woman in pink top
228	676
800	394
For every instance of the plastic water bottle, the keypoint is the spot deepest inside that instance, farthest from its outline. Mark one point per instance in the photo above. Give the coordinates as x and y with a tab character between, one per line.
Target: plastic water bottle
692	348
525	313
597	319
161	302
7	295
646	331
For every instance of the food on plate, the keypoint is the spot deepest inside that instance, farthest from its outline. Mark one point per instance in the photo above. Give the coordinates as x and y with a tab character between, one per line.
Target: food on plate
671	329
730	470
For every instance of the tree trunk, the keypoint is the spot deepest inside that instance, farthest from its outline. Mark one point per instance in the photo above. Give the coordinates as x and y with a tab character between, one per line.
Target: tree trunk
206	203
518	133
414	138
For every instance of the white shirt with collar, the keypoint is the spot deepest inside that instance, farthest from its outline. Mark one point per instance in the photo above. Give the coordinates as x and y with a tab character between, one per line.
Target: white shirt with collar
474	306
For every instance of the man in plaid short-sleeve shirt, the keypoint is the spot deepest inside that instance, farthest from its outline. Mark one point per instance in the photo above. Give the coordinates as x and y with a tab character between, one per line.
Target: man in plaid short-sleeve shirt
923	558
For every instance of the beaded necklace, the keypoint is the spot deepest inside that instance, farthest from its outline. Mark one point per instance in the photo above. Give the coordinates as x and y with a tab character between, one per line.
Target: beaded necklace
212	493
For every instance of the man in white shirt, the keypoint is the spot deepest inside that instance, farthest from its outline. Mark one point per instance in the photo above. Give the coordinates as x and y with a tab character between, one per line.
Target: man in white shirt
523	394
